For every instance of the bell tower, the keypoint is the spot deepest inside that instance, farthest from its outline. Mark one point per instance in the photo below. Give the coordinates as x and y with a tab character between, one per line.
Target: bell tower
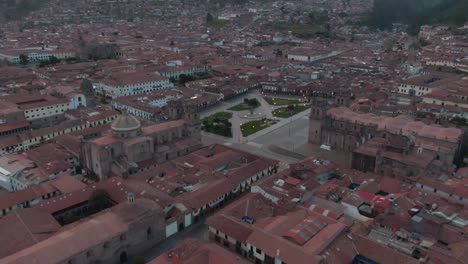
192	119
343	98
318	111
176	109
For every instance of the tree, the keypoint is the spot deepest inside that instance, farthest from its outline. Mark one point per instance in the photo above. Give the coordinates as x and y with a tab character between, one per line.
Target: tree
209	18
86	87
53	60
96	51
99	199
139	260
416	13
252	102
319	18
183	79
23	59
279	53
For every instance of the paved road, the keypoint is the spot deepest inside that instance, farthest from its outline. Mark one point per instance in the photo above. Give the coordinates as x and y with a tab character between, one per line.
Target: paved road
208	139
236	121
284	124
289	134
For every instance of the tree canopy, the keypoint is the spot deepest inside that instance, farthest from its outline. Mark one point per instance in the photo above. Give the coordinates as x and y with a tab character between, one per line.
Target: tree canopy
416	13
209	18
17	9
23	59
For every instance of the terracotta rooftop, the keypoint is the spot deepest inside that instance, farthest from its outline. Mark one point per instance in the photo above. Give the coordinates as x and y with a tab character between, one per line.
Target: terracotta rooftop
24	228
192	251
84	235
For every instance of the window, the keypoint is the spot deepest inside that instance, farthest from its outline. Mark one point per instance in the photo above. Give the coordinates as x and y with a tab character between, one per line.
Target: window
259	251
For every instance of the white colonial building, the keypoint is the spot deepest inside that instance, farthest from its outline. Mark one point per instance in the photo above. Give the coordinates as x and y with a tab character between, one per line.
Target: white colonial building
129	84
35	54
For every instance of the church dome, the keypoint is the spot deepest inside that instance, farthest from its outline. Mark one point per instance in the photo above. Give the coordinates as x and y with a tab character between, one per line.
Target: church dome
125	123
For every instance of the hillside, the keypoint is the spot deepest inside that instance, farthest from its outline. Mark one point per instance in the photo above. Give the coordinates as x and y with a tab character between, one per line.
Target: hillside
417	13
16	9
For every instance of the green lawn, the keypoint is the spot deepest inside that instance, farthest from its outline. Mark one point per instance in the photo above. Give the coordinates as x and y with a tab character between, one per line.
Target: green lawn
304	31
253	127
218	23
285	112
218	115
249	104
281	101
218	123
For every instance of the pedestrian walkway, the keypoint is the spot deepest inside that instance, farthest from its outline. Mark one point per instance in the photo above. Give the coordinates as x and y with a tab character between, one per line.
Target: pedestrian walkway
285	152
281	123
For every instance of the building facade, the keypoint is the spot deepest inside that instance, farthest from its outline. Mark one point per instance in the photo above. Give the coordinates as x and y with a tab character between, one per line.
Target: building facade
400	143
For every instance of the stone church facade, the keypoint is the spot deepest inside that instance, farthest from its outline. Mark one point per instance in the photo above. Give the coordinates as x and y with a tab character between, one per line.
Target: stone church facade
127	145
393	146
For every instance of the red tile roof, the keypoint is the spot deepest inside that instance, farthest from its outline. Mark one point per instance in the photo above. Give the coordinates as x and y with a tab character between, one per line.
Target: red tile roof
191	251
381	253
9	127
305	230
23	228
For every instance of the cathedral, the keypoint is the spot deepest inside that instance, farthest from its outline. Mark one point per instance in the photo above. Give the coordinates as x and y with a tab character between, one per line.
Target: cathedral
128	145
385	145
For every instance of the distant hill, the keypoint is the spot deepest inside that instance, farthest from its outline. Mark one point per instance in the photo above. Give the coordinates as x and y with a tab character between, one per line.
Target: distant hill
415	13
16	9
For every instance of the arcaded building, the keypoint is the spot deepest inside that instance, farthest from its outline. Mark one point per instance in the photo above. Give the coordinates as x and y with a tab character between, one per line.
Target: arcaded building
385	145
127	144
